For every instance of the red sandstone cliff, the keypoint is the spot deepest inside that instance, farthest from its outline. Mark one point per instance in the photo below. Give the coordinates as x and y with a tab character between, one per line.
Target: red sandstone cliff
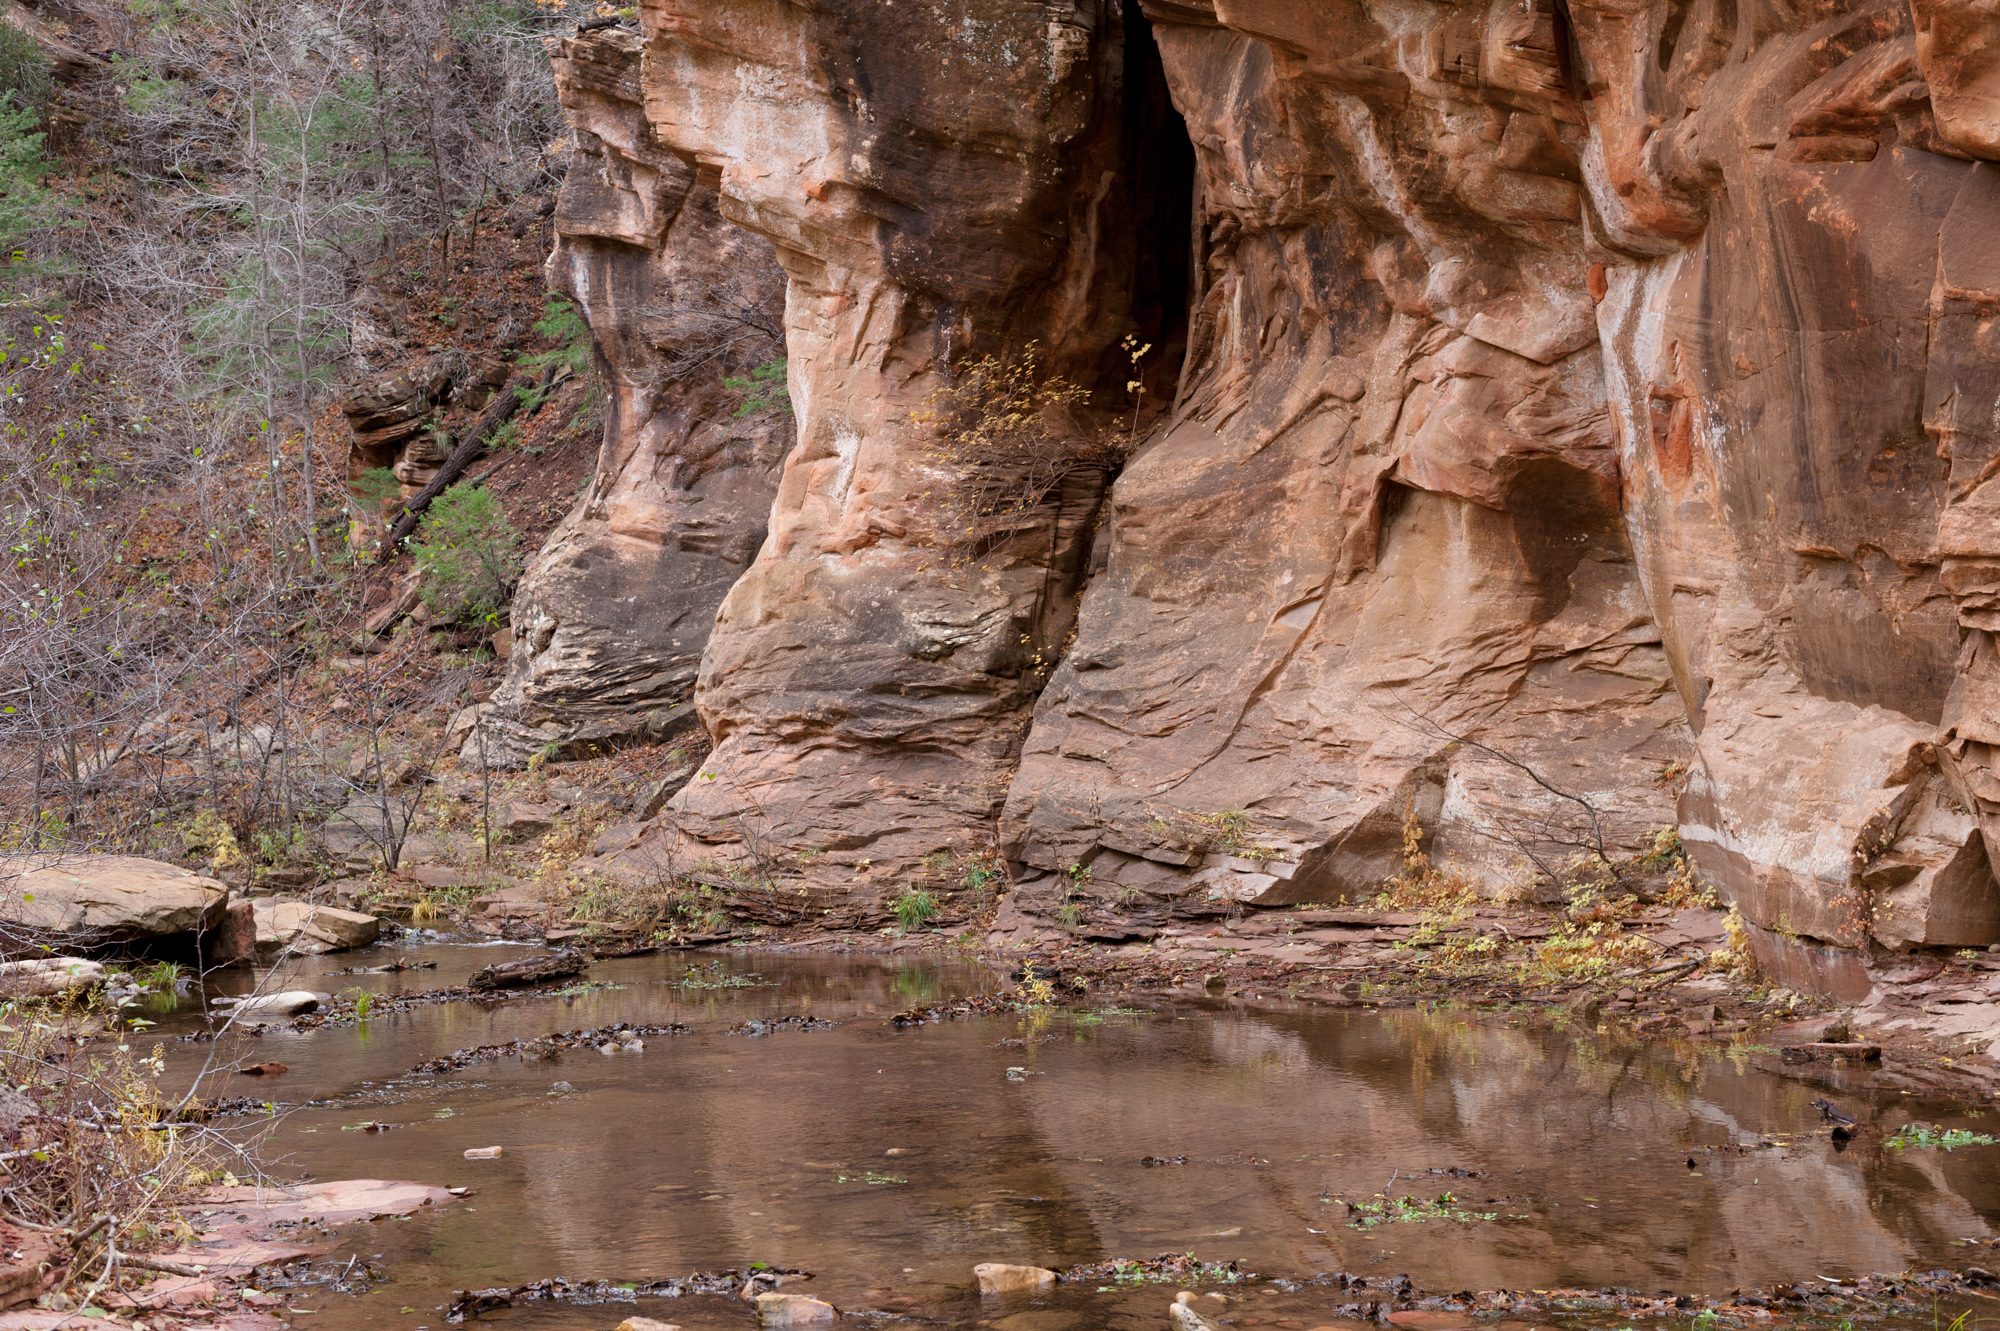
1583	422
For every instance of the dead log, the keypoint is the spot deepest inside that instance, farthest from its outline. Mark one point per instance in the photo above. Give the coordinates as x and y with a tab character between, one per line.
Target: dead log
1842	1051
463	454
524	971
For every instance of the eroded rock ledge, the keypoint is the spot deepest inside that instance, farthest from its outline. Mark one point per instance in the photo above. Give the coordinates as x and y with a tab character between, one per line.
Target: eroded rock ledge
1583	424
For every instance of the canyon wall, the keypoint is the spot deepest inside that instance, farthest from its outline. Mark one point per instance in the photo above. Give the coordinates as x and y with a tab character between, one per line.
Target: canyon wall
1560	426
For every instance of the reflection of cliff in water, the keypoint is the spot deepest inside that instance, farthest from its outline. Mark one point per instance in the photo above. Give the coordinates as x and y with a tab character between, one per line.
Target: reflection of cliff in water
888	1161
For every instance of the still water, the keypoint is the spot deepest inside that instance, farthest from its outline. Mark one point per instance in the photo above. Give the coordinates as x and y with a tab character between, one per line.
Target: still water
889	1161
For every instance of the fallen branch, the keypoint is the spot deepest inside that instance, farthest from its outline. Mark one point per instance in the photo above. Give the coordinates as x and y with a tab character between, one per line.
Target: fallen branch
163	1266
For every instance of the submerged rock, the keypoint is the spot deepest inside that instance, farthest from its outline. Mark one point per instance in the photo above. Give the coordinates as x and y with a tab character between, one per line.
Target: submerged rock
1185	1318
793	1310
646	1324
1000	1278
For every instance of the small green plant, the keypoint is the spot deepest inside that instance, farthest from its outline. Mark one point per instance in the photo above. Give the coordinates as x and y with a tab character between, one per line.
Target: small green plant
915	909
1069	914
161	977
1378	1211
562	323
763	389
364	1002
874	1178
468	554
1930	1137
1036	989
715	978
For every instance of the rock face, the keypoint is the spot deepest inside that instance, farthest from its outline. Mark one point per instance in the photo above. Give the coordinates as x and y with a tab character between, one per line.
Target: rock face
614	613
1563	423
97	900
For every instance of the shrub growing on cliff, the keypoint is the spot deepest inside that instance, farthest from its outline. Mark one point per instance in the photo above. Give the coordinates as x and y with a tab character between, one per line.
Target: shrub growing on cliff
1010	431
764	389
468	554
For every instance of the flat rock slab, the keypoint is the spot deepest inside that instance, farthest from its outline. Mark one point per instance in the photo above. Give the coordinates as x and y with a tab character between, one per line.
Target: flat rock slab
49	977
308	929
107	898
334	1203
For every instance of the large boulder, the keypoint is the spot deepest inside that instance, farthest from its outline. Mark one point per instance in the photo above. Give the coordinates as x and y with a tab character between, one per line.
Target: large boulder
49	977
106	899
308	929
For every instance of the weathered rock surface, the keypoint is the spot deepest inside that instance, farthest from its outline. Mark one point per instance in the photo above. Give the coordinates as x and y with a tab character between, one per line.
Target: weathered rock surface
106	899
1001	1278
614	613
1569	422
307	929
793	1310
287	1003
49	977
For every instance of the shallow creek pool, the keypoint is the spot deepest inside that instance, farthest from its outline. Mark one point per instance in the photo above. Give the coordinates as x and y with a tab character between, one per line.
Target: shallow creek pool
888	1161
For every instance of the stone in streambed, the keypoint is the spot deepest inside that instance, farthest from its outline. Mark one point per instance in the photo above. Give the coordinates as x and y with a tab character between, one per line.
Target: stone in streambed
1000	1278
1185	1318
793	1310
289	1003
485	1152
307	929
646	1324
49	977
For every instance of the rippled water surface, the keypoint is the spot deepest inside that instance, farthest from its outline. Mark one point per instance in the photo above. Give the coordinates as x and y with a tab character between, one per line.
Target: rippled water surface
888	1161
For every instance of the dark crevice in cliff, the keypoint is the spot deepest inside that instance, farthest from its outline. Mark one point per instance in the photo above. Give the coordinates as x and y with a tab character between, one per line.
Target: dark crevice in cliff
1158	175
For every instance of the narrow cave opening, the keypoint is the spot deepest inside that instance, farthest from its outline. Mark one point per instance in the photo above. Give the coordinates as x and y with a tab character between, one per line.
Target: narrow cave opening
1158	174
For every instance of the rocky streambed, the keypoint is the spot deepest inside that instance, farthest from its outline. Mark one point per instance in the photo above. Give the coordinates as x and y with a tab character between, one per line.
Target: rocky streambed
670	1128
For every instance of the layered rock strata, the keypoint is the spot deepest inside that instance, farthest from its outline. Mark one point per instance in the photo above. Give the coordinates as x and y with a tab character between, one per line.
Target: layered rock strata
613	614
1582	424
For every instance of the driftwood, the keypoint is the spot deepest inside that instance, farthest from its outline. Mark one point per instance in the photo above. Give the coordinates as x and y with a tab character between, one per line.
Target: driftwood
498	412
524	971
1845	1051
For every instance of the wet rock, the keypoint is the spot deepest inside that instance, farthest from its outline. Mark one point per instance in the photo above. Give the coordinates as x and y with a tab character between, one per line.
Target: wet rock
303	928
485	1152
1001	1278
106	899
1184	1318
646	1324
49	977
524	971
793	1310
289	1003
793	1022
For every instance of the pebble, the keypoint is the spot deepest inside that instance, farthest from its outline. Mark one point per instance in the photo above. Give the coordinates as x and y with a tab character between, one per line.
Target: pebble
484	1152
